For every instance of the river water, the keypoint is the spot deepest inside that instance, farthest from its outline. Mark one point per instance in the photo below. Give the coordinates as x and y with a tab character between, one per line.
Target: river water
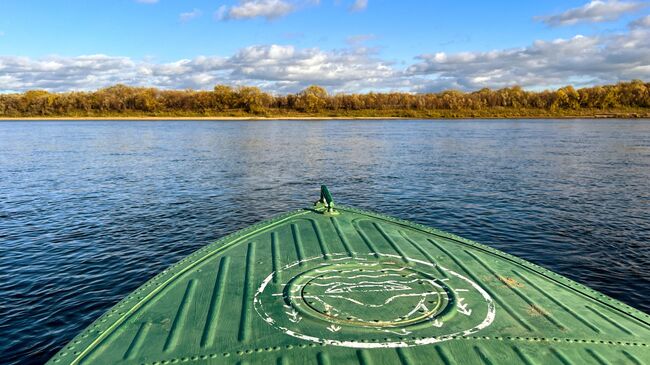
91	210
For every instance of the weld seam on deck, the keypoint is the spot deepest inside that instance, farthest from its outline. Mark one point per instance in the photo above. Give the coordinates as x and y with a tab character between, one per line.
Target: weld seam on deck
405	357
321	243
209	331
441	351
364	357
424	253
597	357
613	323
275	257
521	295
631	357
481	354
244	322
567	309
522	356
300	250
137	342
323	358
364	237
443	355
344	241
496	298
179	320
391	242
560	356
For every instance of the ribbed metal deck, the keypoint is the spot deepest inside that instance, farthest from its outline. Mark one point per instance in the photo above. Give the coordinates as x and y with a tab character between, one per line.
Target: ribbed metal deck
360	288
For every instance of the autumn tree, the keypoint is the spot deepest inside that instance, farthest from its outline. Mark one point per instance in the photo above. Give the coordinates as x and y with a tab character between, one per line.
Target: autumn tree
223	97
125	100
312	99
252	99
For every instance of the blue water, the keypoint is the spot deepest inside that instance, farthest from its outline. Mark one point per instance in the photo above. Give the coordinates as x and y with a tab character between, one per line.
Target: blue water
91	210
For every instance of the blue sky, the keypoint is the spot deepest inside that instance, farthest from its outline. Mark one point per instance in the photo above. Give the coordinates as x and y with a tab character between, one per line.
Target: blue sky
345	45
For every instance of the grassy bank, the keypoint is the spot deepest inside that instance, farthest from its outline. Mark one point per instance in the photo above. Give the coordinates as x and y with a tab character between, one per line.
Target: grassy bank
493	113
623	100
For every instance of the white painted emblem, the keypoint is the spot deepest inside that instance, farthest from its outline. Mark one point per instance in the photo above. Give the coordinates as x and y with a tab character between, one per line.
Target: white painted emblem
370	302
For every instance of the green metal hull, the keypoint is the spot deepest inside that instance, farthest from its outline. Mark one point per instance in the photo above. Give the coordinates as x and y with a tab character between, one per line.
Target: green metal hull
360	288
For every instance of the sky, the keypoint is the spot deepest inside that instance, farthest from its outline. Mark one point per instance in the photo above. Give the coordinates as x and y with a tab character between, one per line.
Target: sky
282	46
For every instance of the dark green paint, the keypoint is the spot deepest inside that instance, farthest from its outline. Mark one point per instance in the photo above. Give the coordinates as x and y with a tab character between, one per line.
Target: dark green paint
414	283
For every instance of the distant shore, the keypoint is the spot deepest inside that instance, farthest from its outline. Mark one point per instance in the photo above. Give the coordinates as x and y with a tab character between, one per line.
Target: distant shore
316	118
121	102
207	118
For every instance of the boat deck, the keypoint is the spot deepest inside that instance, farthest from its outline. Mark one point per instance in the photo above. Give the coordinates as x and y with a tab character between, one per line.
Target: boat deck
360	288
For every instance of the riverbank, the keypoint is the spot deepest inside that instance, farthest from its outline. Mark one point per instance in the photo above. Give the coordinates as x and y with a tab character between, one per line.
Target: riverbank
502	113
623	100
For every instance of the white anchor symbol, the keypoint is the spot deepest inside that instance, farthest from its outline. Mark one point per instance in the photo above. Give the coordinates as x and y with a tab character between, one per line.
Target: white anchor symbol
437	323
293	316
462	308
334	328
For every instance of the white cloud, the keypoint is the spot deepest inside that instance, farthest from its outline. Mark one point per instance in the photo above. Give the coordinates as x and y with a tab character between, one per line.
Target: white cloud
275	68
248	9
359	5
579	60
284	68
641	23
187	16
296	68
595	11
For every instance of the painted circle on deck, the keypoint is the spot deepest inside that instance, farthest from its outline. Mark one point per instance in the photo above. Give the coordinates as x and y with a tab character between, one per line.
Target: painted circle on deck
372	294
372	301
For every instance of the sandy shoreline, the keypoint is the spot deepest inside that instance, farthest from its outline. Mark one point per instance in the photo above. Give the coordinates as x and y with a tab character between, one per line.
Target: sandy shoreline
311	118
208	118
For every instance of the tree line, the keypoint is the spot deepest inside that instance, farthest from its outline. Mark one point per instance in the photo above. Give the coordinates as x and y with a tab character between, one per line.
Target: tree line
225	100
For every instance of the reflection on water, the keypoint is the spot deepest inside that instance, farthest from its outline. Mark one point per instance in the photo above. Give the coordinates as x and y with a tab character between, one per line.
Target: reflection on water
90	210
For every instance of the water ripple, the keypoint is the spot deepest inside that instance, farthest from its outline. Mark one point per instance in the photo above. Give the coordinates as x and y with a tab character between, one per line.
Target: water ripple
91	210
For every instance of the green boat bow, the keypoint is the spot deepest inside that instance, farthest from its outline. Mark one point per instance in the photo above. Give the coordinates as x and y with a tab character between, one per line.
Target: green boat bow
336	285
